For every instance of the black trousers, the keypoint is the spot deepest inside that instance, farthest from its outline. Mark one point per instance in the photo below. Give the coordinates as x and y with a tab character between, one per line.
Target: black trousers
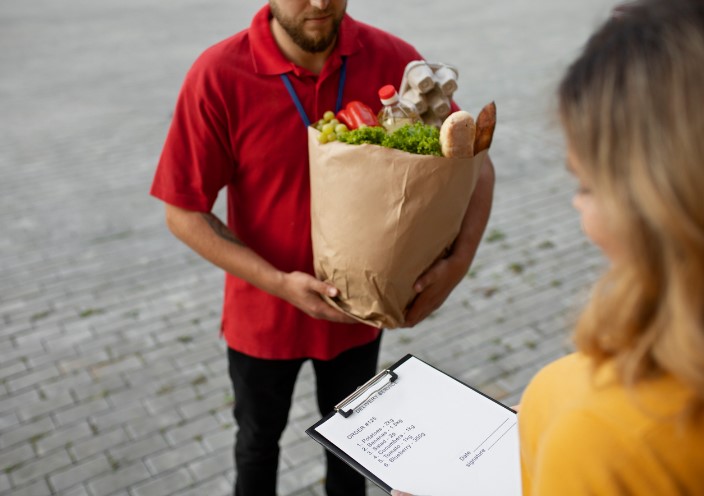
263	390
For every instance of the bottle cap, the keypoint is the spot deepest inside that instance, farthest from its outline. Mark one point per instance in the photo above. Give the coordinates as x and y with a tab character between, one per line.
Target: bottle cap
388	94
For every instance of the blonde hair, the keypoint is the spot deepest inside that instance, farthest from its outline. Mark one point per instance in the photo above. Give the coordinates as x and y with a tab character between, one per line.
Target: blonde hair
632	106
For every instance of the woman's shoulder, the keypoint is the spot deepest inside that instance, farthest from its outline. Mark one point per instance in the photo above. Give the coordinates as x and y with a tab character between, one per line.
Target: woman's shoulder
612	452
618	436
562	379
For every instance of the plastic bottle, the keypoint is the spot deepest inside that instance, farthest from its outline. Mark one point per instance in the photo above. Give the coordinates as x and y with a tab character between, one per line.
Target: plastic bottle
396	112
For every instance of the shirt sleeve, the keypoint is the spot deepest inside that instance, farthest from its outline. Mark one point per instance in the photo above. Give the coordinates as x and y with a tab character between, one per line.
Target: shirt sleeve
581	455
196	161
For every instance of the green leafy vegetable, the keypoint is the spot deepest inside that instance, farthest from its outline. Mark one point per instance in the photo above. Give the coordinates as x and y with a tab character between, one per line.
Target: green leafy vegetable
372	135
417	138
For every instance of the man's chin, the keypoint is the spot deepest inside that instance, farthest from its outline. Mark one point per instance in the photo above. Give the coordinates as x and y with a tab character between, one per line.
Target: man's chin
316	44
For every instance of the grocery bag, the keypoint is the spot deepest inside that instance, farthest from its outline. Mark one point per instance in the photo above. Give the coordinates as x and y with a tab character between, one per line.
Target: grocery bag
381	217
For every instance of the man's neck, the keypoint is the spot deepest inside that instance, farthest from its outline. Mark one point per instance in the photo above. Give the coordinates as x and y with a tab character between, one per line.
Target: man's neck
314	62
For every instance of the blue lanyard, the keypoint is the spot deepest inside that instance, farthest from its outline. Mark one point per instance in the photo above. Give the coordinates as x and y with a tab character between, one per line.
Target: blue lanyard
297	101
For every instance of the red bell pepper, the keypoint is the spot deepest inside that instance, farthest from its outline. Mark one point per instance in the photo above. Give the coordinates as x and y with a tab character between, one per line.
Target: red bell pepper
344	117
356	114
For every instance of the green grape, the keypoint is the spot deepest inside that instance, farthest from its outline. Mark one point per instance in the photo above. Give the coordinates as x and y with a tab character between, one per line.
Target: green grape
319	124
331	137
328	128
328	116
322	138
341	128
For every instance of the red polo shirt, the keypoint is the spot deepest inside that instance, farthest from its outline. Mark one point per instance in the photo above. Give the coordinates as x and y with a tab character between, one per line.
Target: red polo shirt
236	126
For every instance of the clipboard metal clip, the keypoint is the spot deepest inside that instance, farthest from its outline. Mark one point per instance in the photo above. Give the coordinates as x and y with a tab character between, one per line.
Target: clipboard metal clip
371	387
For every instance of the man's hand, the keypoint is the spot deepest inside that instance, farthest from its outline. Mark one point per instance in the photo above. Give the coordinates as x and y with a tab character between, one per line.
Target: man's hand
305	292
433	288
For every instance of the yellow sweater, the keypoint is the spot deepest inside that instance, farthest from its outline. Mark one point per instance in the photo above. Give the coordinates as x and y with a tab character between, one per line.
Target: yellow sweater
584	434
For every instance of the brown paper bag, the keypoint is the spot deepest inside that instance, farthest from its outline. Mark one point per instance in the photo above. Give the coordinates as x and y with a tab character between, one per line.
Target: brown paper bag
380	218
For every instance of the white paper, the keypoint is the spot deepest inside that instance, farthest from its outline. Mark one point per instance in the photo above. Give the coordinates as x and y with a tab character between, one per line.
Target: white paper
430	435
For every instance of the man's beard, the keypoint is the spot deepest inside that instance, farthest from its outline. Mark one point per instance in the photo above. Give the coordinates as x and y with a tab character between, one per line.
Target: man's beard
305	42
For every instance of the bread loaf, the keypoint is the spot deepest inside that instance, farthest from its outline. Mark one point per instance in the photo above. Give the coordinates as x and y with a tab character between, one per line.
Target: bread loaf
486	122
457	135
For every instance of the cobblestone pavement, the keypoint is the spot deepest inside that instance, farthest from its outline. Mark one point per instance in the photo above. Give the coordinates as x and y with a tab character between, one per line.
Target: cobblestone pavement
113	378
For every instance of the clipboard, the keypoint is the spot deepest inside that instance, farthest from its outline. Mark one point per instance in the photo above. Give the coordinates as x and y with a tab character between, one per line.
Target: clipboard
415	428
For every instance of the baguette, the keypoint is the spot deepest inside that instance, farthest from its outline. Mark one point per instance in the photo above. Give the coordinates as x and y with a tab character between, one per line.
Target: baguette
457	135
486	122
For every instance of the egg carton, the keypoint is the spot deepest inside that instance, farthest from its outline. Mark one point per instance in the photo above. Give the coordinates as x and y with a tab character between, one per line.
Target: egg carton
429	86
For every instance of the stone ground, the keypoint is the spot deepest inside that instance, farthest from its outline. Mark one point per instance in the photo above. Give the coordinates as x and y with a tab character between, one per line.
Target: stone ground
113	379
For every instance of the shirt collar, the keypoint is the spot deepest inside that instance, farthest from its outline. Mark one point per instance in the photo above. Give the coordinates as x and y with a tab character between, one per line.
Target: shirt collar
268	59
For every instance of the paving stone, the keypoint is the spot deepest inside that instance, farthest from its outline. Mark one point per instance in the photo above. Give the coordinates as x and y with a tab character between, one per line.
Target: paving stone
39	467
100	343
44	406
11	368
32	377
11	459
27	432
64	437
36	488
219	486
81	411
159	371
78	473
66	340
136	450
302	475
301	452
163	484
75	491
203	356
481	375
119	415
4	484
167	397
219	382
115	366
192	429
35	338
120	479
153	423
131	346
217	462
222	438
8	420
66	383
100	388
25	353
98	443
170	458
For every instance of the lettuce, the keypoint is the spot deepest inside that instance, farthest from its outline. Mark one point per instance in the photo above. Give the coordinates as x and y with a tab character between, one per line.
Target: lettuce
417	138
372	135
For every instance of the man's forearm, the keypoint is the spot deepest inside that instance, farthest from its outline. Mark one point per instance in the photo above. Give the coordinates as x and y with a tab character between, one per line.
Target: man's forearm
221	229
477	215
208	236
